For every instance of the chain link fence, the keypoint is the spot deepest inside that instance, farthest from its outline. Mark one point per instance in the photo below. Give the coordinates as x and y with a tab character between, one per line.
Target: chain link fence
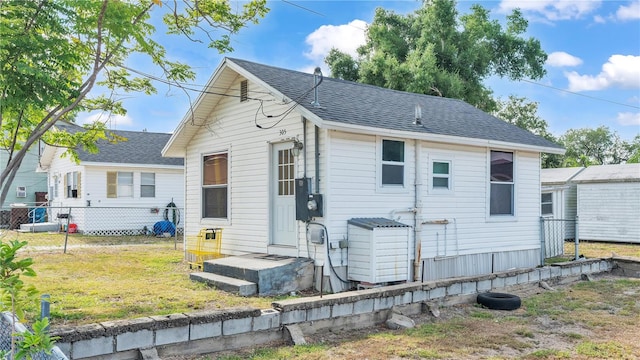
61	227
559	238
9	323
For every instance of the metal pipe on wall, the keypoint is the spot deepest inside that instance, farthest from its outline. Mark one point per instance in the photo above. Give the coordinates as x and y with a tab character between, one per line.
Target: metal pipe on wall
417	228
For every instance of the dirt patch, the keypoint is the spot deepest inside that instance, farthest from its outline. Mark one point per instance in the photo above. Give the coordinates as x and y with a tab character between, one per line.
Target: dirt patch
583	320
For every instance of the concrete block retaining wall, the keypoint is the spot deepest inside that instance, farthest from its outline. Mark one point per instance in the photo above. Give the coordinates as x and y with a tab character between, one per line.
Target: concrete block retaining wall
231	329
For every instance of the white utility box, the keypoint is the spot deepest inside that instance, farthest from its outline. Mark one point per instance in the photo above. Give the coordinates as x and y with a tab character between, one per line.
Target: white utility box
378	250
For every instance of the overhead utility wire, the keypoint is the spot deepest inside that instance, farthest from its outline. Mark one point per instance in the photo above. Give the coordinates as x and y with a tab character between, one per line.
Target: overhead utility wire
302	7
286	112
583	95
202	91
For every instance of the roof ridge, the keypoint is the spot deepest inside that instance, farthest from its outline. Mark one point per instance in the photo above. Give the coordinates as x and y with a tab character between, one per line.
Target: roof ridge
355	83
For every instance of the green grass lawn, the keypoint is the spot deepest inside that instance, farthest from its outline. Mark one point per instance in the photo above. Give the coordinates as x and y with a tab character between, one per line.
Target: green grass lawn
142	276
94	284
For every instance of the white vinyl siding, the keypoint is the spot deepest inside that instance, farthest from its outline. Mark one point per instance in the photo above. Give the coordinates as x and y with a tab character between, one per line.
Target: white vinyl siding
609	211
232	127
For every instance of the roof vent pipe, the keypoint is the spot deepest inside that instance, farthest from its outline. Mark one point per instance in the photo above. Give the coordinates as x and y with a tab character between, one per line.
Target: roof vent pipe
418	111
317	79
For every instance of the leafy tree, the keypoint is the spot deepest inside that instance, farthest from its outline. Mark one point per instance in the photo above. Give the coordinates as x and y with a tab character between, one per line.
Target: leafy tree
524	114
19	298
435	51
633	150
591	147
53	54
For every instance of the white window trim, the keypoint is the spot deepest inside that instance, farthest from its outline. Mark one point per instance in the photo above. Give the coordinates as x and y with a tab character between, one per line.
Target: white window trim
432	175
502	218
155	186
390	188
215	221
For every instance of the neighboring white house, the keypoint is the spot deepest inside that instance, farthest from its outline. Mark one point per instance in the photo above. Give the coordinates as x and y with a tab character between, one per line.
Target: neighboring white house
608	201
293	164
124	174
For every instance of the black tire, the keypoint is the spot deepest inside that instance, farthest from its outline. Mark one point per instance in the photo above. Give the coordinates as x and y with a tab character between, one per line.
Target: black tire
499	301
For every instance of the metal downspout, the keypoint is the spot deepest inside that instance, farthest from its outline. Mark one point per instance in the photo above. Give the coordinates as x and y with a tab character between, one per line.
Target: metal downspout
417	228
304	145
317	158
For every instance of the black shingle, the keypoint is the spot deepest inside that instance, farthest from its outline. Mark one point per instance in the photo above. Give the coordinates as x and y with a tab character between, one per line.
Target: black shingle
365	105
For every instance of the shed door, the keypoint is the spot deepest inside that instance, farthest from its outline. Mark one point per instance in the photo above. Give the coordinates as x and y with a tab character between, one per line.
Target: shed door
283	203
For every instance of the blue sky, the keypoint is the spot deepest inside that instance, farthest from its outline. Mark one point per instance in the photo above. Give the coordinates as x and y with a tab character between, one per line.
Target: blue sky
593	70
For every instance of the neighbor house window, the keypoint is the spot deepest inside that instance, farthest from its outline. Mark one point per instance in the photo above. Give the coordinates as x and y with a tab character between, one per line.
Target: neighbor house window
546	204
119	184
72	184
215	185
502	183
441	175
392	162
147	185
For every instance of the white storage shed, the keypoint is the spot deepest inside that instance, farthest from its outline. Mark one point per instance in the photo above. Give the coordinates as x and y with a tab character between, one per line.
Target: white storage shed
608	202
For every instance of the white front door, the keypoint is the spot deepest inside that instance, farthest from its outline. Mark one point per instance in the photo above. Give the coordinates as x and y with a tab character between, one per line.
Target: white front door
283	200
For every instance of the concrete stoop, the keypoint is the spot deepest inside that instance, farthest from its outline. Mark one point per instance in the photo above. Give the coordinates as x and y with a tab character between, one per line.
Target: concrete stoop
228	284
269	274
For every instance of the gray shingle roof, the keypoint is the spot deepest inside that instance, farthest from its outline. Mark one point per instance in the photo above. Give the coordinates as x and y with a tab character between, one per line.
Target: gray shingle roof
141	147
365	105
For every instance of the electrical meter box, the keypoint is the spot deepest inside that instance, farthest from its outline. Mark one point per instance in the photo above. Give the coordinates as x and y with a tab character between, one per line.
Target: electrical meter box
307	205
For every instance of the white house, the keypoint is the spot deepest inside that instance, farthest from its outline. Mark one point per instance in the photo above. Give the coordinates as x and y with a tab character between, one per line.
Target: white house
126	174
294	164
608	202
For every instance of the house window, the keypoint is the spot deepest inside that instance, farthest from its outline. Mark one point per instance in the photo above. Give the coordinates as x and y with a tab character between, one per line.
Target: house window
147	185
244	90
214	185
392	163
502	183
546	204
285	173
21	192
441	177
119	184
72	184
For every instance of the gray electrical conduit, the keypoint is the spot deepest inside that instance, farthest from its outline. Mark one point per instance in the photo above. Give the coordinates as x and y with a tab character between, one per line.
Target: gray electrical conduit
326	233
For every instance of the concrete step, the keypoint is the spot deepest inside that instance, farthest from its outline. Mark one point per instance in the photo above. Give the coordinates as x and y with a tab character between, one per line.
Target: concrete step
229	284
274	275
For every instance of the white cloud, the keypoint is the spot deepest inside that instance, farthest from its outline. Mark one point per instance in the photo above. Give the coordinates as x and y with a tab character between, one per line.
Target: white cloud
112	121
631	12
598	19
562	59
629	119
552	10
620	71
346	38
